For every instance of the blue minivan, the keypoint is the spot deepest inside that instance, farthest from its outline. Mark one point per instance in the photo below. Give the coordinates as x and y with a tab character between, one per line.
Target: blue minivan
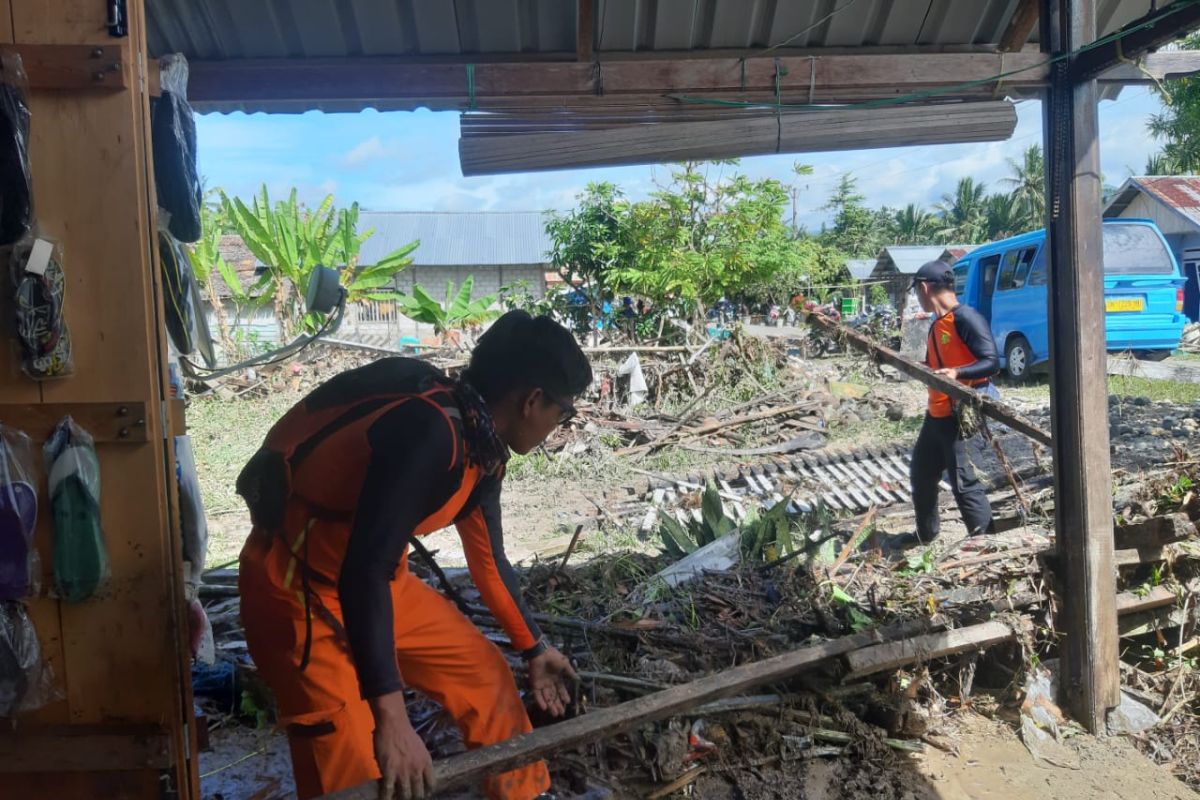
1143	293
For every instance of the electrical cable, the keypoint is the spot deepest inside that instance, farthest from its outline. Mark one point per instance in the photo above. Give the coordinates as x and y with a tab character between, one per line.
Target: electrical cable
297	347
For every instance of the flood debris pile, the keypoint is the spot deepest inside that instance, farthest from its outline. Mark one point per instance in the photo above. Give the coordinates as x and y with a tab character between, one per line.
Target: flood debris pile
957	628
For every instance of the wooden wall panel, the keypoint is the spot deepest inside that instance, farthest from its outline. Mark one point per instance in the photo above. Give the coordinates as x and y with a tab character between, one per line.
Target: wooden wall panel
118	655
61	21
6	32
140	785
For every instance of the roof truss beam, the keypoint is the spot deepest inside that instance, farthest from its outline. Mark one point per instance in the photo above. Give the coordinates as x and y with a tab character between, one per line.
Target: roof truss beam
828	79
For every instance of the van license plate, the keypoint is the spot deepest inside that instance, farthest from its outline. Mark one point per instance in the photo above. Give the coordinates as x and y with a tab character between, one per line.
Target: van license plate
1132	304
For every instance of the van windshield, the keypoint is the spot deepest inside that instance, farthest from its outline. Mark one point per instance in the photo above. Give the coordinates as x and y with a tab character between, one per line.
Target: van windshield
1135	250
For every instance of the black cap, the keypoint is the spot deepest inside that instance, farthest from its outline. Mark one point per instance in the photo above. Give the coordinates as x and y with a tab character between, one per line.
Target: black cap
938	273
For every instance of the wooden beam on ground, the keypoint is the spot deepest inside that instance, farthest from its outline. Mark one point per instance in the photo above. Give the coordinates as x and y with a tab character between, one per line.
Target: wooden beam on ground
885	355
1170	22
585	29
1179	371
1078	393
884	657
1154	532
469	768
1020	27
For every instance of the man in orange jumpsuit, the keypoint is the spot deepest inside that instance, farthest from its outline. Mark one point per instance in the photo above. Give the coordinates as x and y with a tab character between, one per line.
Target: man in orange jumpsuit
336	623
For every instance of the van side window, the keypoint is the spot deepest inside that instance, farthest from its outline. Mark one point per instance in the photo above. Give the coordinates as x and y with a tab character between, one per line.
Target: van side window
1014	271
1037	274
960	277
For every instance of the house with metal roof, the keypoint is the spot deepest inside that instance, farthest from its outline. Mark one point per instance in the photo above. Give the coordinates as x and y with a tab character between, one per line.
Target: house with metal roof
896	264
497	249
1173	203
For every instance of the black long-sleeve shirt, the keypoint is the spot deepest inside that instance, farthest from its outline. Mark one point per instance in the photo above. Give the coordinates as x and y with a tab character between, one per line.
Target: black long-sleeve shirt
417	466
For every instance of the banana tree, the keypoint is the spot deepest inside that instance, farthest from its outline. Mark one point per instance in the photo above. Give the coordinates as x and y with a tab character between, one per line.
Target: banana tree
457	312
292	241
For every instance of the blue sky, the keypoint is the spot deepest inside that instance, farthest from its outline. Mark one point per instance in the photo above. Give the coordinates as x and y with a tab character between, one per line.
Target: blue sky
408	161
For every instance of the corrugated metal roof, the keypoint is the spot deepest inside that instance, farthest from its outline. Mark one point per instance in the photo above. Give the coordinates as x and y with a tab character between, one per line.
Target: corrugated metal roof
242	29
907	259
954	252
458	238
860	268
1179	193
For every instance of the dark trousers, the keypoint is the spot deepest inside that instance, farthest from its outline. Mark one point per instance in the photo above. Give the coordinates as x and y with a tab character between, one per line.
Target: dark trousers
939	450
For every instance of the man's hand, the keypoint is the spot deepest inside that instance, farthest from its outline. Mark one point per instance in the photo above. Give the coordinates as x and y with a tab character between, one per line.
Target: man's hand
548	675
404	762
949	372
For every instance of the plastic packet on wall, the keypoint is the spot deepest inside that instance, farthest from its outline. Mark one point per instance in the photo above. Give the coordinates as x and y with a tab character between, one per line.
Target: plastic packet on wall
80	555
39	302
191	512
16	199
19	564
173	131
26	682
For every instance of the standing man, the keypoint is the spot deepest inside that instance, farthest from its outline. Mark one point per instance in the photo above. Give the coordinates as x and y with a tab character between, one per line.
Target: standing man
335	622
960	347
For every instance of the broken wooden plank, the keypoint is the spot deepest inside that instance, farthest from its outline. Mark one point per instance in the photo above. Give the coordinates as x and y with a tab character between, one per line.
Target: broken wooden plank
1178	371
469	768
987	406
891	655
1154	532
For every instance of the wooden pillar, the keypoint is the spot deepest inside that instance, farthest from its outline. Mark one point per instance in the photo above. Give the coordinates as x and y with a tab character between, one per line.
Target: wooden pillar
1078	388
121	728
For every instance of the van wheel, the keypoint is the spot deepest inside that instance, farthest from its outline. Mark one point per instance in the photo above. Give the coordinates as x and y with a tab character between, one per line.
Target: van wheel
1018	358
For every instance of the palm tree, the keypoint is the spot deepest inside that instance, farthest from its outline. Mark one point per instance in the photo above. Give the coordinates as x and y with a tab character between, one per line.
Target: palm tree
1029	186
1160	164
915	225
1005	216
964	213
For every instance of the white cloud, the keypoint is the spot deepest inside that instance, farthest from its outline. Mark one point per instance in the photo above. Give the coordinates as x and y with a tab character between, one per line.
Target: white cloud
364	153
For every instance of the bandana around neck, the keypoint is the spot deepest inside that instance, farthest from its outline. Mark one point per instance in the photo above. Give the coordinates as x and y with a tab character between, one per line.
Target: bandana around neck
485	447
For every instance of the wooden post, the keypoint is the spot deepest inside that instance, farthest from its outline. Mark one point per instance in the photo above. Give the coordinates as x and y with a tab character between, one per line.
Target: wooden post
585	29
1078	393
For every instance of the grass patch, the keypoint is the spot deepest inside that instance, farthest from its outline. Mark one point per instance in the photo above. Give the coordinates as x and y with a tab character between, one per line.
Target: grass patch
1156	390
881	430
225	434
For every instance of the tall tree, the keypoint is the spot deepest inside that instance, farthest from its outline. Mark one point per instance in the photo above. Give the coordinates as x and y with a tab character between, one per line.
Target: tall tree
855	229
964	212
1028	182
915	225
1178	126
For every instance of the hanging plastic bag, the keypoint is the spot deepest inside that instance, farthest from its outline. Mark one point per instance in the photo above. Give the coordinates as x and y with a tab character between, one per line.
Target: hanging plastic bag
173	131
16	185
26	682
39	287
19	564
191	511
80	556
177	292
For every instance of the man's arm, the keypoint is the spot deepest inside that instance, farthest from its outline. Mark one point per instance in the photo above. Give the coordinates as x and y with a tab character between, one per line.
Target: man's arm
410	476
483	542
976	333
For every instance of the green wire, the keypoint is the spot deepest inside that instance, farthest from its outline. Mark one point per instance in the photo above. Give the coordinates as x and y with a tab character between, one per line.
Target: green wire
941	90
